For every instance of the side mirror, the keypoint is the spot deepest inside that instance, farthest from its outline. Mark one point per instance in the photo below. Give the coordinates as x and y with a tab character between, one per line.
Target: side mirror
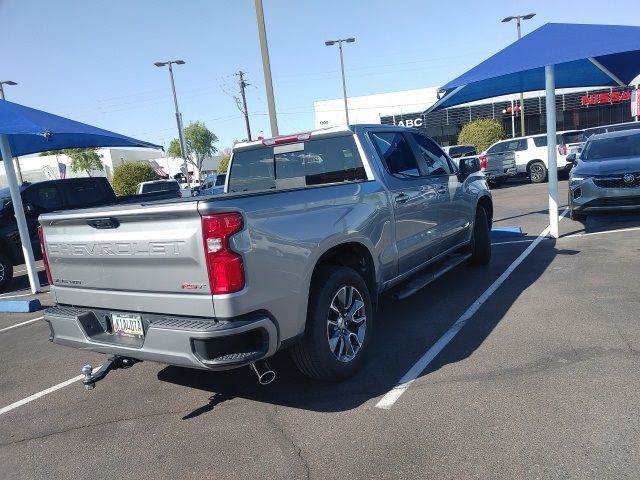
572	157
469	165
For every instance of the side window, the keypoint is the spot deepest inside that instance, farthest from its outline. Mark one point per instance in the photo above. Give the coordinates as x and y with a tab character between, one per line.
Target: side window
540	141
44	198
396	154
497	148
522	145
434	158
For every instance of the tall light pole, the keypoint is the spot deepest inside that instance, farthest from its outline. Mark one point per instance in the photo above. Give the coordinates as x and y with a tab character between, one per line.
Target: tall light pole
183	149
328	43
11	82
518	19
266	67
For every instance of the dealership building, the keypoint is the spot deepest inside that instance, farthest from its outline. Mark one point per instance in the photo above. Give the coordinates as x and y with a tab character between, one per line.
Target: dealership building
575	109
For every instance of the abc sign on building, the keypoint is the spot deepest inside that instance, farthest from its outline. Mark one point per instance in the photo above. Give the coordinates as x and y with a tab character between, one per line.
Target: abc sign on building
411	122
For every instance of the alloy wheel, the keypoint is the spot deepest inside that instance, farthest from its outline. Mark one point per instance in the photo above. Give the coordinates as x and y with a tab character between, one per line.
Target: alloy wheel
346	323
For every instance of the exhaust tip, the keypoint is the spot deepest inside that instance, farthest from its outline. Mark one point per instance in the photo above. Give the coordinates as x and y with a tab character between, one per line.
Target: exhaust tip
263	372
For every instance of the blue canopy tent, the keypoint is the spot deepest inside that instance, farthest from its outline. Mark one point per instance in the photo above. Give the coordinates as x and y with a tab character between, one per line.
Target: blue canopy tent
23	131
555	55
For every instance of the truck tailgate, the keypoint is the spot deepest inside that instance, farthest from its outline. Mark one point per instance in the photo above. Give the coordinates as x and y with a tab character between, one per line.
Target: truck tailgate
131	257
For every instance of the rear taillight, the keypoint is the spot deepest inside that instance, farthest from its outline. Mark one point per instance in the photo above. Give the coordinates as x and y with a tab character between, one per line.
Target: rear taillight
45	259
225	268
483	162
179	194
562	149
286	139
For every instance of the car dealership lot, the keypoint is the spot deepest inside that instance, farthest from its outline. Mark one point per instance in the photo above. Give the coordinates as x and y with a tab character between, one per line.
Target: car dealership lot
542	382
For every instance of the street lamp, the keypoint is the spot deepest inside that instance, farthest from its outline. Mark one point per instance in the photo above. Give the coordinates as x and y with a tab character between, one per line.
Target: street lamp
183	150
328	43
518	18
11	82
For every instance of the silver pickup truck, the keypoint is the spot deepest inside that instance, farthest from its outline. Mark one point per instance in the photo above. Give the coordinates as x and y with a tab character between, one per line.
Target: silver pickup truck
312	229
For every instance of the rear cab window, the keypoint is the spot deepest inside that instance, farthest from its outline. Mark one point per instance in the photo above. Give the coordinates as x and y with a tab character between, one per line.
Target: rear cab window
86	193
317	161
160	187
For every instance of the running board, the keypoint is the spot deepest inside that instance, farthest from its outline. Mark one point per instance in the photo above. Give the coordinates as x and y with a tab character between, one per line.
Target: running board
427	276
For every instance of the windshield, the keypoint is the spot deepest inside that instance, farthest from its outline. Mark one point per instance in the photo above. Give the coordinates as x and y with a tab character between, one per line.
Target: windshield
611	147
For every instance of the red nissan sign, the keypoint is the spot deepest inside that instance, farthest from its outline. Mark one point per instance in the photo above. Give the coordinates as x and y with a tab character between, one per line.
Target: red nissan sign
604	98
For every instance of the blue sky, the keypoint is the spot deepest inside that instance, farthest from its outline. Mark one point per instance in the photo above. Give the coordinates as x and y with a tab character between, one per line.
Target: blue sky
93	61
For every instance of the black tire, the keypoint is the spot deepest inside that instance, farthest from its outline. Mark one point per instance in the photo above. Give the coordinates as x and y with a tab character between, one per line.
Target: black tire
6	272
480	241
537	172
314	356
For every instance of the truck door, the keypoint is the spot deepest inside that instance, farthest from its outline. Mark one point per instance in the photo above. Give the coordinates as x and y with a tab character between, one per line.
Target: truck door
455	205
414	197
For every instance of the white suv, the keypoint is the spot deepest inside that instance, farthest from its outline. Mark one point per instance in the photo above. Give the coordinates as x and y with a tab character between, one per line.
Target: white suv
531	153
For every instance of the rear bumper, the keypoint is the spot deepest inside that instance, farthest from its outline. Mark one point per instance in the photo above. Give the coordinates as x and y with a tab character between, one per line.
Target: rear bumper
184	341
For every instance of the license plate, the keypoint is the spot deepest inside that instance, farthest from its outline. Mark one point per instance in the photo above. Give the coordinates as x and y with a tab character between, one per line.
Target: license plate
127	325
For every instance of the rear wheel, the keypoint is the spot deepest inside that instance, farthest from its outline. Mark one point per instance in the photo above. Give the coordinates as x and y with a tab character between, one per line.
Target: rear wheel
537	172
6	272
480	241
338	329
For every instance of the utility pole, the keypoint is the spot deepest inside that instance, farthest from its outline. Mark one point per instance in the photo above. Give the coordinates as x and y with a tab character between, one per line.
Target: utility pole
266	66
244	85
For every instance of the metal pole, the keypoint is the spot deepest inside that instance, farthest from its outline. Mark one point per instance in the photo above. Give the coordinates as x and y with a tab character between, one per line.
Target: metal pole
344	85
521	94
550	85
18	211
266	66
183	148
513	122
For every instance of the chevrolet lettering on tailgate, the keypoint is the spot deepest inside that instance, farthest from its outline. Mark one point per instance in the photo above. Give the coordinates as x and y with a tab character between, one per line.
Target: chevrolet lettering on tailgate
88	249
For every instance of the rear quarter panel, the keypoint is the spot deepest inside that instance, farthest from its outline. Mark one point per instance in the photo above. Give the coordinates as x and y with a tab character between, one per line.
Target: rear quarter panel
285	234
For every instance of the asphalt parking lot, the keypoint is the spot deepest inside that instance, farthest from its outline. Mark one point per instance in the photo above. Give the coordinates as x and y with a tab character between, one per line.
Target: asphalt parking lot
540	379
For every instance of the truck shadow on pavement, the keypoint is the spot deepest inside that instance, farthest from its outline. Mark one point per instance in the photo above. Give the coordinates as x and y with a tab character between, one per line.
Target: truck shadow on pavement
404	331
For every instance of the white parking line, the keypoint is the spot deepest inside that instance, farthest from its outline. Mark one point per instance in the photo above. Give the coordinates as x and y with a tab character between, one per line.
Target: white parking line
15	296
633	229
20	324
514	241
391	397
35	396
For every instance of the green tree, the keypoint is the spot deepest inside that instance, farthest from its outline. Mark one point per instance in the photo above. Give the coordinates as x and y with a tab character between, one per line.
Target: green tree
482	133
174	149
199	142
51	152
84	159
128	175
224	163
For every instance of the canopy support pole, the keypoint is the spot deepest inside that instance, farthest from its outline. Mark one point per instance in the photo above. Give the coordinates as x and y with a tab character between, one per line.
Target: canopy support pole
552	152
18	210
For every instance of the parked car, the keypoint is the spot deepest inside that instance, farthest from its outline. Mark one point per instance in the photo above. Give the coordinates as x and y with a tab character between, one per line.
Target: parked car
497	167
531	153
313	228
606	175
159	186
618	127
213	185
457	151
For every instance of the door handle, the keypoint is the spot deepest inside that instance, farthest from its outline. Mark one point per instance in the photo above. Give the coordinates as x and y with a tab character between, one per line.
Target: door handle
402	198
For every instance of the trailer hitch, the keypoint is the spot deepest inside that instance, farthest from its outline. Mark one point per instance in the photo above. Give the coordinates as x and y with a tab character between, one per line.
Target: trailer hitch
113	363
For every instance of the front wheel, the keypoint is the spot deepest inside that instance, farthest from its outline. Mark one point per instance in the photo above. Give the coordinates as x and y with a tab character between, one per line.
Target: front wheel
480	240
537	172
339	325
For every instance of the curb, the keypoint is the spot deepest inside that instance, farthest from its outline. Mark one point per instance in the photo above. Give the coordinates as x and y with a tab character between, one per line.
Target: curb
501	232
20	306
